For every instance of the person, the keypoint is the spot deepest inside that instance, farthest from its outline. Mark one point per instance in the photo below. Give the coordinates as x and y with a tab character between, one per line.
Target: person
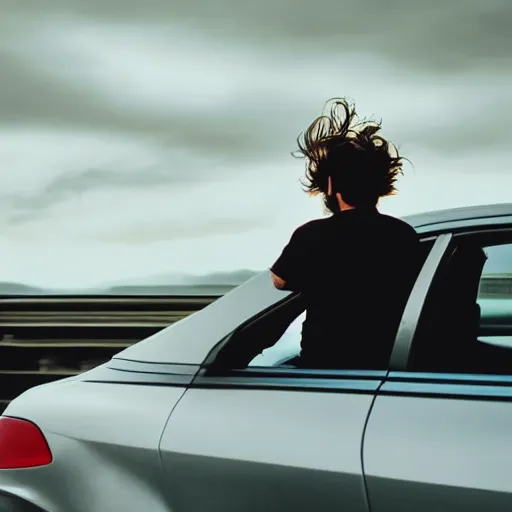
355	269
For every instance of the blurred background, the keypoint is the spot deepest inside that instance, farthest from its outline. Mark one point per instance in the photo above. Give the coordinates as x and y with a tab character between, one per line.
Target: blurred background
148	143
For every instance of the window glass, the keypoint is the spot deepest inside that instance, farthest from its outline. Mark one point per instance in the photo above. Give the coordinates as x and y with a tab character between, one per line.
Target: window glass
287	347
495	297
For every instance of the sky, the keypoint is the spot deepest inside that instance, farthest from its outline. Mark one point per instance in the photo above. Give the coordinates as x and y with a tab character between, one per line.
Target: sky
154	138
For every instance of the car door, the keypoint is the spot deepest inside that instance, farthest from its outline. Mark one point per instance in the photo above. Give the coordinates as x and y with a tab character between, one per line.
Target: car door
438	438
269	440
264	437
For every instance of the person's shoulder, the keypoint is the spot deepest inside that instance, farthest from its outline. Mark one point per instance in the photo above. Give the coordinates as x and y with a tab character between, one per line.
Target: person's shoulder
399	225
311	227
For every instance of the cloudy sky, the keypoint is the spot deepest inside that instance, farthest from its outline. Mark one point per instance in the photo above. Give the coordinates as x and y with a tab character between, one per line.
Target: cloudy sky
145	138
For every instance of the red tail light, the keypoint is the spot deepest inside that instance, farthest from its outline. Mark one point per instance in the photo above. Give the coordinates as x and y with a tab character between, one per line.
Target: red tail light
22	444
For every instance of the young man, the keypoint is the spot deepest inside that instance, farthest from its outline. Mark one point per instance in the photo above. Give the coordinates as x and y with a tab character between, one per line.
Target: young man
356	268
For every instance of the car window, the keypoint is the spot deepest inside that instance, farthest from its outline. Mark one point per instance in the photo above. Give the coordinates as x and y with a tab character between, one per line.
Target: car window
495	297
466	326
286	348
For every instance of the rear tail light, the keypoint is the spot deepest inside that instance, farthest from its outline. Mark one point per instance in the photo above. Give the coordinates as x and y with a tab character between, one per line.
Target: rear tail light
22	444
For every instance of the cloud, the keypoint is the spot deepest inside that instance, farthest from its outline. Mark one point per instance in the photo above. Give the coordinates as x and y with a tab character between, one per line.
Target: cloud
156	135
143	232
75	185
440	35
43	168
234	97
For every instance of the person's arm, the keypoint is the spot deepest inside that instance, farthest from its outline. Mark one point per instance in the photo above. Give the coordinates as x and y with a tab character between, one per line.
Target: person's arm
286	272
278	282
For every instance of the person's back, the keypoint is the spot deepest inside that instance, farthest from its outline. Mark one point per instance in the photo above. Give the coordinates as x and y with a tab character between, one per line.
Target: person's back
355	269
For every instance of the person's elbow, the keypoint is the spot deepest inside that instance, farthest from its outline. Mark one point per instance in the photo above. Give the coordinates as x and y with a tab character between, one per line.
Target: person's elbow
278	282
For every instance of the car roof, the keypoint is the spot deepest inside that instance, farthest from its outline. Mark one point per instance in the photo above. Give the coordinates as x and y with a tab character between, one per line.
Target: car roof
458	217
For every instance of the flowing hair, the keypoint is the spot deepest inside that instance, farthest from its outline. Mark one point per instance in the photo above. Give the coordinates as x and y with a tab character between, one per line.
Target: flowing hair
363	166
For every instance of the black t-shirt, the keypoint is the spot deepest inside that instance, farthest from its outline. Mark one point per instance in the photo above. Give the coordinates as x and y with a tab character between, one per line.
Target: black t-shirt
355	271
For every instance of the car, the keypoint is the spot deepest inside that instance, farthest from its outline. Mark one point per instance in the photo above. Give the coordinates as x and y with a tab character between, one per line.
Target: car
207	414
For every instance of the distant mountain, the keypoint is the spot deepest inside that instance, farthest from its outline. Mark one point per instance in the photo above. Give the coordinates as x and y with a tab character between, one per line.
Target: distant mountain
209	290
7	288
217	283
235	277
223	278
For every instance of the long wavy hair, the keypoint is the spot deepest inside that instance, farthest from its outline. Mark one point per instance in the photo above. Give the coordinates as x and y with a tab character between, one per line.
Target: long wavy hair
363	166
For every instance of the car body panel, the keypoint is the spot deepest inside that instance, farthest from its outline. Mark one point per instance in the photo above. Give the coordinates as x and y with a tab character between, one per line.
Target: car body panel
104	461
440	443
250	451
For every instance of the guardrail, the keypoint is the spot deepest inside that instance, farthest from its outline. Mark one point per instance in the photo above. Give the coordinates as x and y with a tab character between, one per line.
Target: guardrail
90	312
43	339
496	286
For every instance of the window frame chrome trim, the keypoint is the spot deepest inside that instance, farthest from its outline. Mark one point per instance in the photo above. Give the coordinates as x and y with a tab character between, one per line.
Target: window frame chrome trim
449	386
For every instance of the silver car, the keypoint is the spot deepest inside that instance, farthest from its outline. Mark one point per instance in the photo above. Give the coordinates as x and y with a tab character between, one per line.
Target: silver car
208	416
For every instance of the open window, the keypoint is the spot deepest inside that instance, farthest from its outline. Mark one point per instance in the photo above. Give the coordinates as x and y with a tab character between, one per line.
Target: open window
466	324
246	345
272	338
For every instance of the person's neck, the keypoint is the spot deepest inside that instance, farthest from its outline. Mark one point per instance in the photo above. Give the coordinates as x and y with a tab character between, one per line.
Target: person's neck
345	206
